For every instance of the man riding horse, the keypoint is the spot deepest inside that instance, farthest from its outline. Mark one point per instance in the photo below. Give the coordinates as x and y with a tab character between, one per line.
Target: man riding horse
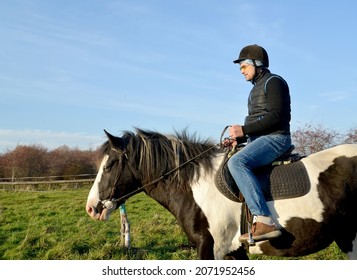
267	131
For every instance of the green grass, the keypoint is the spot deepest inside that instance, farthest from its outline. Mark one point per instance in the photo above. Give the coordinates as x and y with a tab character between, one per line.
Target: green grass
53	225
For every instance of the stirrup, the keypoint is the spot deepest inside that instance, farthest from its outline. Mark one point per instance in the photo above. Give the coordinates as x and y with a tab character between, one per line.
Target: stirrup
250	239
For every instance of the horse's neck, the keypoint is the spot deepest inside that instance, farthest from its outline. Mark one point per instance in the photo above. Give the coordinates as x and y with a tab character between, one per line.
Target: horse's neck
178	199
173	198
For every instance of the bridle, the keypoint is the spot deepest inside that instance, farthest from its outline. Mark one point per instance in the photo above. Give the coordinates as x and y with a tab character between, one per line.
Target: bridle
109	203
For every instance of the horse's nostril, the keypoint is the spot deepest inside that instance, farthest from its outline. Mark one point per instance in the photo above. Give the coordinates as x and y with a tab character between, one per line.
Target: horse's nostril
92	211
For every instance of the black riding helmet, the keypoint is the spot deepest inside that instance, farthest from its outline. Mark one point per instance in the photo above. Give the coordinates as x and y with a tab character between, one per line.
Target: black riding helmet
253	52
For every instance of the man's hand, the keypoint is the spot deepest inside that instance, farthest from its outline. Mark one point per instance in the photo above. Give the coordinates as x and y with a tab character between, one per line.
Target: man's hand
236	136
235	131
228	142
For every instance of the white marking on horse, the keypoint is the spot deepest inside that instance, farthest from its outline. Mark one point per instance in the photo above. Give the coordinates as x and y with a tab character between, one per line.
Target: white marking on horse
93	197
223	215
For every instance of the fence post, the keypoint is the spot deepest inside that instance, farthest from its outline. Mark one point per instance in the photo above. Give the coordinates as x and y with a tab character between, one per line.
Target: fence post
125	226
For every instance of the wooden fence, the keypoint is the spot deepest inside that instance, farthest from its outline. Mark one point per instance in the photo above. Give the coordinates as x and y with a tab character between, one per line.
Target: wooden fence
45	184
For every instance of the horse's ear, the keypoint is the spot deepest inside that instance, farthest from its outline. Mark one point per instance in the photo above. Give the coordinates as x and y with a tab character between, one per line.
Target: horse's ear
115	142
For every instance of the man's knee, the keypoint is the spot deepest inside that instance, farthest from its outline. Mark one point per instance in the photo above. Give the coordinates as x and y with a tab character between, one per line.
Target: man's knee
236	161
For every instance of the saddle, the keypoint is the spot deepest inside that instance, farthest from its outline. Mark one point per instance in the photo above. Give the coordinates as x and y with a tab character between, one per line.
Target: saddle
285	178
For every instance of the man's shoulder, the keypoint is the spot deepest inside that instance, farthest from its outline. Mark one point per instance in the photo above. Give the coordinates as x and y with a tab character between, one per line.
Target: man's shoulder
274	80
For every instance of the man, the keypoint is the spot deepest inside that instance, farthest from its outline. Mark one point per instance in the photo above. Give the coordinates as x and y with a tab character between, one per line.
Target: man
267	130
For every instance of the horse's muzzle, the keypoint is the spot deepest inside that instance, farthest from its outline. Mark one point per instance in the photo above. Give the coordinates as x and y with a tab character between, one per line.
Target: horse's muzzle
102	210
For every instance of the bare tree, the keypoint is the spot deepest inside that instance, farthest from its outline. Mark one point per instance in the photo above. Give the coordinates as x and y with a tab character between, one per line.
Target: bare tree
37	161
68	162
313	138
351	136
25	161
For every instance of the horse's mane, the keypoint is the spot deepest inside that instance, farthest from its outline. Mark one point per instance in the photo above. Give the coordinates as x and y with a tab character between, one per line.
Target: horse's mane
155	154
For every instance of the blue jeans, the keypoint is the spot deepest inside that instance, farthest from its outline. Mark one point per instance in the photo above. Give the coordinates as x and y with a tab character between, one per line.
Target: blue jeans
258	152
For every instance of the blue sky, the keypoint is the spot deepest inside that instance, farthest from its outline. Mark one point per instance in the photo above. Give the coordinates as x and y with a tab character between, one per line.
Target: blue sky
70	69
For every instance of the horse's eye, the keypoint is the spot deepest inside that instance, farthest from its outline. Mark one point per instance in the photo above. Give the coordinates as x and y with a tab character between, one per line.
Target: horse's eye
109	165
107	168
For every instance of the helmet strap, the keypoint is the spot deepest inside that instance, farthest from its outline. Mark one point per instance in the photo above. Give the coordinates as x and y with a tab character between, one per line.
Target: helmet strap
259	70
256	69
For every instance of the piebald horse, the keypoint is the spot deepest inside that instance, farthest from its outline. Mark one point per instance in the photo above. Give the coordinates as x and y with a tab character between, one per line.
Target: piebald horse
178	171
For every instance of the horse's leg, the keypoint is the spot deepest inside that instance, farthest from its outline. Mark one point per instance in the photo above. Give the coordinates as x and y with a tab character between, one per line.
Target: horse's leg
239	254
195	225
196	229
189	216
346	237
339	184
205	247
352	255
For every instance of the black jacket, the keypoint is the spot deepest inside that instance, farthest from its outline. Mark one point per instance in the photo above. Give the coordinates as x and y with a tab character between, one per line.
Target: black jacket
269	110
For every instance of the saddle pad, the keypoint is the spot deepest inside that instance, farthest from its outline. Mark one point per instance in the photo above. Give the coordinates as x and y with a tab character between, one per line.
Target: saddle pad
278	182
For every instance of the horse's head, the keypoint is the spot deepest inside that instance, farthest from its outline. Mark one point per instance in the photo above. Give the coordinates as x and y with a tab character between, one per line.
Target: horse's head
116	178
143	161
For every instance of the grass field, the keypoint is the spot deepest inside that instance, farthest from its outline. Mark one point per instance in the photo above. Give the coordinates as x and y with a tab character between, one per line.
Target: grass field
53	225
